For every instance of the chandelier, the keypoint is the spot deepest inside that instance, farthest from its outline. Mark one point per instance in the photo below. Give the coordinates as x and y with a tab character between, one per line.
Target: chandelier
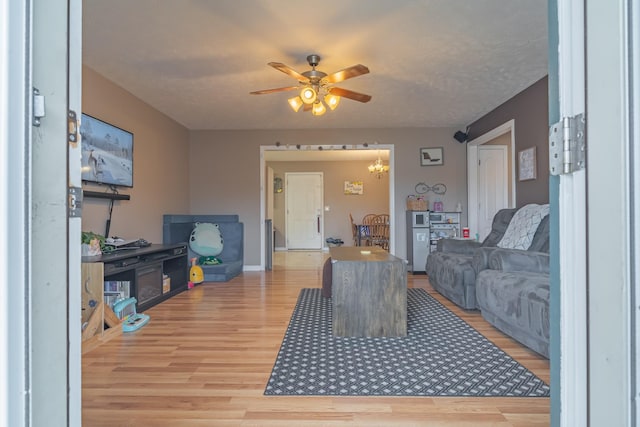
377	168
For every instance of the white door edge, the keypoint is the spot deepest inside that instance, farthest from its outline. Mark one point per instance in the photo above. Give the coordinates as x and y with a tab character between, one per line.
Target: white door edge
572	226
75	223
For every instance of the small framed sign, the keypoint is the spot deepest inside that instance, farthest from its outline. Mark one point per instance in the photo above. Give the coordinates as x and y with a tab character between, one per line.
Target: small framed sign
527	164
431	156
354	188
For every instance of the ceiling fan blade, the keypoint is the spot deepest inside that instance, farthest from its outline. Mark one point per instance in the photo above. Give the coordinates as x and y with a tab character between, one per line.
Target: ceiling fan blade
279	89
289	71
346	93
347	73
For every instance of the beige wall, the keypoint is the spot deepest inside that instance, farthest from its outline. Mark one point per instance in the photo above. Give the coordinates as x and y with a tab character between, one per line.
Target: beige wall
336	221
181	171
160	163
224	171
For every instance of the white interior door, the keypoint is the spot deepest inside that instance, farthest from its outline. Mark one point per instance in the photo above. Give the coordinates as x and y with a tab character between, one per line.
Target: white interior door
492	185
303	207
490	139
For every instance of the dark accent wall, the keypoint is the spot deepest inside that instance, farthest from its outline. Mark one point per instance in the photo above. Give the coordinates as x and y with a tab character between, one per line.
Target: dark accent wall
530	111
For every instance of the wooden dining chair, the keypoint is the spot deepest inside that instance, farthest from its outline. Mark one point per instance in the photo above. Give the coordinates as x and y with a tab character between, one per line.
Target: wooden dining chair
368	218
382	218
365	231
354	230
379	231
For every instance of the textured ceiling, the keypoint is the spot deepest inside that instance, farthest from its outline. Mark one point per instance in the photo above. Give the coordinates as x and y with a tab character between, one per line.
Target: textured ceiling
434	63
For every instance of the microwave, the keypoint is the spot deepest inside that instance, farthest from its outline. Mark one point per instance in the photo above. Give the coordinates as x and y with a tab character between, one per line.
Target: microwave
444	217
420	218
437	217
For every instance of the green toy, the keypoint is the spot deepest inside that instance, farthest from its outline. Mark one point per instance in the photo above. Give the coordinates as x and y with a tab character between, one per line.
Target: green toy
209	260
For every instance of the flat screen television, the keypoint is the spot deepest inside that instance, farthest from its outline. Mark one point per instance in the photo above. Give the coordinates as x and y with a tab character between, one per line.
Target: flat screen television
107	153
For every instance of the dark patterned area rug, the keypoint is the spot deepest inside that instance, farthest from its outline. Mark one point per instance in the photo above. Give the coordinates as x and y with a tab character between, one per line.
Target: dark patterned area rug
440	356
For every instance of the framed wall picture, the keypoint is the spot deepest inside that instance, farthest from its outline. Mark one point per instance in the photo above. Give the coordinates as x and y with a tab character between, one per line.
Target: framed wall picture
433	156
354	188
527	165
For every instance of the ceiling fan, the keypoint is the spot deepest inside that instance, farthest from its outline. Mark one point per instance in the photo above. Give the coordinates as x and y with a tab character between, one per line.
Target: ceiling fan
316	86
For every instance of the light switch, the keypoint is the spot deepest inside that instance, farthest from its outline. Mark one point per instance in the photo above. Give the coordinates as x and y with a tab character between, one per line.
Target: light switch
327	208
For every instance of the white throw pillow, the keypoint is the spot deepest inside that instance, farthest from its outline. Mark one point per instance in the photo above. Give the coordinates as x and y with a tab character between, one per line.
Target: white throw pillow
523	226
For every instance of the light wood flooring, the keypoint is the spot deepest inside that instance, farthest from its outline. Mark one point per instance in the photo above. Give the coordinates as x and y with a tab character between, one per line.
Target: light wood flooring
206	356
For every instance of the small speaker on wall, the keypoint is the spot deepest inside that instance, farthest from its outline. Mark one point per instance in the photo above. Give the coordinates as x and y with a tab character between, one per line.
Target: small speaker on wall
460	136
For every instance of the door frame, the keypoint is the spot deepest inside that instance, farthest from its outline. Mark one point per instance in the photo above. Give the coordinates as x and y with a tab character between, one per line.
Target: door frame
287	194
42	327
472	169
567	226
55	388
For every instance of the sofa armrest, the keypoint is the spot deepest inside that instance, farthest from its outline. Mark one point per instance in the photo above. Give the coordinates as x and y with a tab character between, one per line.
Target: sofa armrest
481	258
457	246
519	260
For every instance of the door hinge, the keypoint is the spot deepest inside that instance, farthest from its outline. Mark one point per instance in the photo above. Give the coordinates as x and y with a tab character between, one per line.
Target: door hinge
75	202
567	145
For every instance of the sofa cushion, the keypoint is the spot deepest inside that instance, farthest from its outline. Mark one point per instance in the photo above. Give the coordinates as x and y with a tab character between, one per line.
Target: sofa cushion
540	241
517	303
523	227
499	225
453	276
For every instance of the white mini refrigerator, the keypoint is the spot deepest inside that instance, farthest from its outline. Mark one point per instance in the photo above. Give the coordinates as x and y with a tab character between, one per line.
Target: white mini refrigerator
417	240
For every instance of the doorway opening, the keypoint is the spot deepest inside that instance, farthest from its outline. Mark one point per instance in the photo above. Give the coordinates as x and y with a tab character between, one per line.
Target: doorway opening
323	153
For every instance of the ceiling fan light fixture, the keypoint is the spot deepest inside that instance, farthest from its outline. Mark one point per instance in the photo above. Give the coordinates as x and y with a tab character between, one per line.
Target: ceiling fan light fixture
332	101
308	95
295	103
318	108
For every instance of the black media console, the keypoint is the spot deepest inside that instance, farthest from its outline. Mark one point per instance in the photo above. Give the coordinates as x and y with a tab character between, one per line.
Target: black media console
143	269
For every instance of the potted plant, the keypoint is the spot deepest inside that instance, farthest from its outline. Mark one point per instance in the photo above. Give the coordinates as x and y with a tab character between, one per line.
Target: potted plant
92	243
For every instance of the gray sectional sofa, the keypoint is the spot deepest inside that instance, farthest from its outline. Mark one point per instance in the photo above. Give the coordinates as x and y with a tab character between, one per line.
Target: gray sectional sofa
510	287
177	229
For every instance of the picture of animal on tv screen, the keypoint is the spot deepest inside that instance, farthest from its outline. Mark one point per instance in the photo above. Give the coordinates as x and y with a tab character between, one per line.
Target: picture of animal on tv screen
107	153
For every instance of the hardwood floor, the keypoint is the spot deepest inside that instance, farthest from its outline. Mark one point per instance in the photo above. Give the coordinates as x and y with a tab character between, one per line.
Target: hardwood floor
206	355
